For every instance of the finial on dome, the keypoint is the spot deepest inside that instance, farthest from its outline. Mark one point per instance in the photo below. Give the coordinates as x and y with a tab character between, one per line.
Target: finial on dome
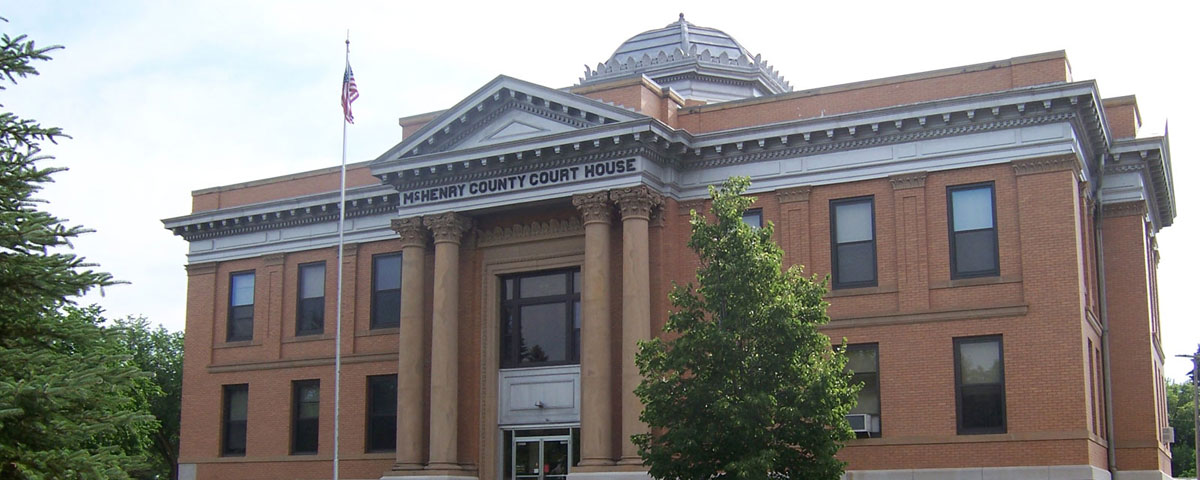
681	16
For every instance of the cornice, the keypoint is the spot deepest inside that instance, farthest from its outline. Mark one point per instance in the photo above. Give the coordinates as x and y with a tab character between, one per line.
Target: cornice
534	231
293	216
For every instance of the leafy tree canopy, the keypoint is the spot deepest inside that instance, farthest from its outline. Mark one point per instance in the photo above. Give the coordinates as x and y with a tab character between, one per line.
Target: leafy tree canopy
72	404
743	385
1181	416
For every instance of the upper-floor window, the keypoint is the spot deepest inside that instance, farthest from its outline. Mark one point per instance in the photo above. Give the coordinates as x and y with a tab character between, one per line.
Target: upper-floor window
973	247
235	399
381	413
853	235
863	361
979	378
306	409
539	315
310	308
385	290
753	217
241	307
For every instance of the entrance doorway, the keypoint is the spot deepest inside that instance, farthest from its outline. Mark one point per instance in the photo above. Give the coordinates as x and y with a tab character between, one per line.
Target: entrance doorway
545	454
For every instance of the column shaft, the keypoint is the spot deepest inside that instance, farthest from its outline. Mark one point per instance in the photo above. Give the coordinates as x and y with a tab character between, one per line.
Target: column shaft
443	394
635	204
410	381
596	355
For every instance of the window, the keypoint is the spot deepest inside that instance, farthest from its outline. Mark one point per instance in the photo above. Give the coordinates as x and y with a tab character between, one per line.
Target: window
241	307
979	378
310	307
853	236
540	318
753	217
863	361
306	407
973	248
385	290
233	420
381	413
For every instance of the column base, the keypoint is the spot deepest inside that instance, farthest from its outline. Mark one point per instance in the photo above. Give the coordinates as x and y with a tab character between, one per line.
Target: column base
426	477
631	462
594	464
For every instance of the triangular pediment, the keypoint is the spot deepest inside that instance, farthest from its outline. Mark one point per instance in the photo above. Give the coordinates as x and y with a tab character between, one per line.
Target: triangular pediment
506	110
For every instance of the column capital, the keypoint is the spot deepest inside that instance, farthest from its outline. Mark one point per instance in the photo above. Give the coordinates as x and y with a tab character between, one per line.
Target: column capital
594	206
448	227
411	230
636	202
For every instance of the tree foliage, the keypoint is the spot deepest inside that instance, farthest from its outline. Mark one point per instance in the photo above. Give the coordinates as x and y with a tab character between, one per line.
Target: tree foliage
69	397
743	385
1181	416
158	353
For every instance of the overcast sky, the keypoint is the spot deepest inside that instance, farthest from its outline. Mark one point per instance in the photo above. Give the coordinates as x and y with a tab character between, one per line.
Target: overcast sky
163	98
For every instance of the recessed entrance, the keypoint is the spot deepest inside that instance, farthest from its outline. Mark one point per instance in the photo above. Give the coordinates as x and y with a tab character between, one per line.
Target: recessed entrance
545	454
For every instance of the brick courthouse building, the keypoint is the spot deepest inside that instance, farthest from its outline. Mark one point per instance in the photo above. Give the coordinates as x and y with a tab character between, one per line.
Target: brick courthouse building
981	225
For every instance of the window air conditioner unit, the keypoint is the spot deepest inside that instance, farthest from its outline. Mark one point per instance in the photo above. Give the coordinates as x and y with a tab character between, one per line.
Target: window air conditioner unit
1168	434
859	422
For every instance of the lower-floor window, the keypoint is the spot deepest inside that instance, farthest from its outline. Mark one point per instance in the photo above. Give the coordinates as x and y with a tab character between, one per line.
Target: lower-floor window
235	399
863	361
381	413
306	407
979	372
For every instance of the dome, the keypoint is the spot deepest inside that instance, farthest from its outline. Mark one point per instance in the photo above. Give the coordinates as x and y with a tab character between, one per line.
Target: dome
699	63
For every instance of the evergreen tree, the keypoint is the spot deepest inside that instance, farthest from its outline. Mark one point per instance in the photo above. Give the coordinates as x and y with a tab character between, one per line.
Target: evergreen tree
742	385
69	405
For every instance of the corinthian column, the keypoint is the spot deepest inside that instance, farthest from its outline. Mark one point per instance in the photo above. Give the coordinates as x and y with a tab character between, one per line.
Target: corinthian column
443	393
596	425
410	382
635	204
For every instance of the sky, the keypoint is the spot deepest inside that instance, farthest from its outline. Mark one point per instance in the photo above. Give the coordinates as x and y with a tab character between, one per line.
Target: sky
163	98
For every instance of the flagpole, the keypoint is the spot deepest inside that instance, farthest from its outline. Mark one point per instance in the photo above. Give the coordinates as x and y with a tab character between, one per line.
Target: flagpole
337	349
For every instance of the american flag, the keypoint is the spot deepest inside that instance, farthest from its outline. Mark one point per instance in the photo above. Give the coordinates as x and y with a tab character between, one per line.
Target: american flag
349	93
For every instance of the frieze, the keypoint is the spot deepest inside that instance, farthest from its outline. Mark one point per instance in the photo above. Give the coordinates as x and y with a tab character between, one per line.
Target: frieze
907	180
1044	164
553	228
518	167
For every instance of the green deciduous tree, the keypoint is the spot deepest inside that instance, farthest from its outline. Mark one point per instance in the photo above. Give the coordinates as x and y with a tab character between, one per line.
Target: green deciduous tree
159	353
69	396
743	385
1181	416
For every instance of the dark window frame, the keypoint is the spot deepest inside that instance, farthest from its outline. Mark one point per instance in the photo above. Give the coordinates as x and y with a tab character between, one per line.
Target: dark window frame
376	419
959	387
995	270
234	310
510	354
300	307
755	212
227	424
376	322
298	428
837	283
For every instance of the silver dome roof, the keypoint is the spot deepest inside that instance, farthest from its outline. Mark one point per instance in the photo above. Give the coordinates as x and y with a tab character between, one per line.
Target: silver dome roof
697	62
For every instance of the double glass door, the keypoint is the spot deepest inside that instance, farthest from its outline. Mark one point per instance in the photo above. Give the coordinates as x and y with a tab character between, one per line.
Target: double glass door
540	455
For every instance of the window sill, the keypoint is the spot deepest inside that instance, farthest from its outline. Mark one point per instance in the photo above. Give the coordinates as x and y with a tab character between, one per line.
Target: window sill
378	331
308	338
850	292
238	344
970	282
